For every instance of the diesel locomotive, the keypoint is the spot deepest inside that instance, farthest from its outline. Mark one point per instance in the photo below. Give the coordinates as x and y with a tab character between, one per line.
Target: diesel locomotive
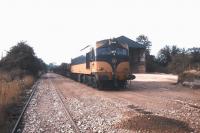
107	62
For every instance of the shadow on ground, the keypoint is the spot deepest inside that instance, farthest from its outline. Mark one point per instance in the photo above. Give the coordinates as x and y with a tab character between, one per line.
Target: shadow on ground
153	123
142	86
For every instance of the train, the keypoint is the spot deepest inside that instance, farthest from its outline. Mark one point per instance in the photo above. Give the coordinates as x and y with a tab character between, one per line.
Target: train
106	62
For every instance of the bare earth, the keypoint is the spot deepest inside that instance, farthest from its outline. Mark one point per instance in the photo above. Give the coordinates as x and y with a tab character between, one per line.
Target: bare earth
152	103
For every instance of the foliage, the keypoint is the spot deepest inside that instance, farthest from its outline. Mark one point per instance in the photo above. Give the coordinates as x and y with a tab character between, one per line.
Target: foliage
150	59
189	76
151	63
195	54
18	71
22	56
62	69
51	66
11	92
179	63
170	59
166	54
177	60
142	39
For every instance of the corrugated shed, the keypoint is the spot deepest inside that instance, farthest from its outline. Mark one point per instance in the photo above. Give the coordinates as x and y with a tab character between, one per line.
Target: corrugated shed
123	40
131	43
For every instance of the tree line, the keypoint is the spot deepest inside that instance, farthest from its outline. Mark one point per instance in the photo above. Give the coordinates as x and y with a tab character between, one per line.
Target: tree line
62	69
170	58
21	59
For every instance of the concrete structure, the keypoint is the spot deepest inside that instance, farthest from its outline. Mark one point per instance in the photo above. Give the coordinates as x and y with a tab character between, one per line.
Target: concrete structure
136	55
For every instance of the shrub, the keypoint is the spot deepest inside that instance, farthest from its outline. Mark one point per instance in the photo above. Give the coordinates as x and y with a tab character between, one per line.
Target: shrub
22	57
10	91
189	76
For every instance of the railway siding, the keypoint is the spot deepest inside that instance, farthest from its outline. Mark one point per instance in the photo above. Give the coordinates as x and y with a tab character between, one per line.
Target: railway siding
45	112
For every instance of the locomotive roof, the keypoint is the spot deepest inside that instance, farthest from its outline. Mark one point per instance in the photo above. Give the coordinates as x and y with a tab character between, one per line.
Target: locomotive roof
123	40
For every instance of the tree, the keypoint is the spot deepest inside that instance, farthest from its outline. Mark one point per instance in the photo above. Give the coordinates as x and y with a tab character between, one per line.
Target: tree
150	59
142	39
63	69
175	50
180	62
151	64
166	54
195	54
22	56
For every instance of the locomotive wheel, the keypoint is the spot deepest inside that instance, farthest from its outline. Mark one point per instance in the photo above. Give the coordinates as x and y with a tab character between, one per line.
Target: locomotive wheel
84	79
89	80
95	83
122	84
81	78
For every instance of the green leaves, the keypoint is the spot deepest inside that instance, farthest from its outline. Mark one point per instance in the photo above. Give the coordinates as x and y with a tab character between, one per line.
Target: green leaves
22	56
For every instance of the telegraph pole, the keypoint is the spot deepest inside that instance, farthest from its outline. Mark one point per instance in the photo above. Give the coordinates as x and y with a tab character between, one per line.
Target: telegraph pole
1	55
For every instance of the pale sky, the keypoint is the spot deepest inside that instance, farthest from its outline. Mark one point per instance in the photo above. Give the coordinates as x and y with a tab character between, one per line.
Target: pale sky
58	29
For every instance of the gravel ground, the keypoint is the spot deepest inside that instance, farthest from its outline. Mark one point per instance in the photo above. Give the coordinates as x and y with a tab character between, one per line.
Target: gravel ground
45	112
94	113
153	103
152	96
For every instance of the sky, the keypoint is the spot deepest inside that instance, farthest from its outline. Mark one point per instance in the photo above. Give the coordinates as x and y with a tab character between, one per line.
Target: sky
59	29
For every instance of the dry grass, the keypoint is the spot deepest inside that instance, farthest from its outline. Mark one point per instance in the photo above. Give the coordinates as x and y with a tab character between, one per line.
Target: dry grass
189	76
10	91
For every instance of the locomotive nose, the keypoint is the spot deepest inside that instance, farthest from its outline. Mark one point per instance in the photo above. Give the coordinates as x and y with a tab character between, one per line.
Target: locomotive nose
114	60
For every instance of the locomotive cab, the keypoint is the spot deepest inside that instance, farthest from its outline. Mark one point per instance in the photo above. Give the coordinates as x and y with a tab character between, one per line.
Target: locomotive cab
112	64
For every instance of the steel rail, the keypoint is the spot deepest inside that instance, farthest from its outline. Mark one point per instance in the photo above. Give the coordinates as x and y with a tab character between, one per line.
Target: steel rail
60	95
25	107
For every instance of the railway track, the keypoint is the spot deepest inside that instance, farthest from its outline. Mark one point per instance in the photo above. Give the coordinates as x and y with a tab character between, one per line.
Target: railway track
61	97
17	124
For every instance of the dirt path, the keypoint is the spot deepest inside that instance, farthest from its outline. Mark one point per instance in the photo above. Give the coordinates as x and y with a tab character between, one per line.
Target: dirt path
153	103
156	95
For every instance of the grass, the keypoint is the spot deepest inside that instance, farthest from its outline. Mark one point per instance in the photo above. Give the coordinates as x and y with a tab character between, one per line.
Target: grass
189	76
10	91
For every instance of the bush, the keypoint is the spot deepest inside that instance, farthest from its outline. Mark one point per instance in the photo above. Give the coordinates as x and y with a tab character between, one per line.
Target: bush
179	63
22	57
189	76
62	69
10	91
18	70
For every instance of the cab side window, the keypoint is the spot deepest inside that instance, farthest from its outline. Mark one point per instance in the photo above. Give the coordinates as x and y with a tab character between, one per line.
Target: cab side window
89	58
92	55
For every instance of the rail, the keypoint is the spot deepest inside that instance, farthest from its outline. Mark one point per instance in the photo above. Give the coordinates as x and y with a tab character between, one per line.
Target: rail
25	107
65	109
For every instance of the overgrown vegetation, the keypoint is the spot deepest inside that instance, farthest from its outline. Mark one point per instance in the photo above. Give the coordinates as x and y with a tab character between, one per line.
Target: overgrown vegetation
18	71
62	69
170	59
22	57
189	76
